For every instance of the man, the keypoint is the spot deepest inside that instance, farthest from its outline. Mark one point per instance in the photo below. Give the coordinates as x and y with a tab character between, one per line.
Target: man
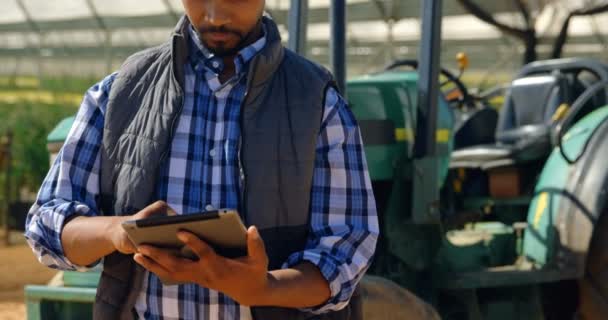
221	116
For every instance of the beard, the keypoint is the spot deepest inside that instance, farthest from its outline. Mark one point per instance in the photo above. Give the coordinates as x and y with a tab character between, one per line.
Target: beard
223	48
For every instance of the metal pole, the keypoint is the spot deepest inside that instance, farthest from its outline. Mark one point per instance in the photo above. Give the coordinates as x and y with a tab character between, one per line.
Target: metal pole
337	42
428	81
425	204
298	17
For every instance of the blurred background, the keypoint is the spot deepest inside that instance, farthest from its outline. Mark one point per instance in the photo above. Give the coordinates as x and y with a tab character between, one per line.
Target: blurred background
52	51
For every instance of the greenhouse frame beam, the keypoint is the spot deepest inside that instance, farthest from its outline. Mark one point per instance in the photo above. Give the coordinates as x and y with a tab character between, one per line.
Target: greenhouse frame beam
107	34
98	19
389	21
33	25
379	4
171	11
29	21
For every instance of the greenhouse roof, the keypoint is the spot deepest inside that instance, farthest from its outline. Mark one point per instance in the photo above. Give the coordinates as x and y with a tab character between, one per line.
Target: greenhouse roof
113	29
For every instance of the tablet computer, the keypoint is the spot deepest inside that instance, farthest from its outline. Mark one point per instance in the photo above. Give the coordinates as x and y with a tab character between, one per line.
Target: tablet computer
222	229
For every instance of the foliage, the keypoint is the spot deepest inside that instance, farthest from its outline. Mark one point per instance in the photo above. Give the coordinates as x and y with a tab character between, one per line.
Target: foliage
30	124
58	85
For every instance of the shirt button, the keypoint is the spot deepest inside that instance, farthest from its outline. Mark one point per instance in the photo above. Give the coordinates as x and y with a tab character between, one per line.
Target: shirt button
209	207
215	64
212	153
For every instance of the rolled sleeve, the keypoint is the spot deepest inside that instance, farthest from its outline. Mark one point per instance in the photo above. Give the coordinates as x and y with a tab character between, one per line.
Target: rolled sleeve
344	224
71	187
43	232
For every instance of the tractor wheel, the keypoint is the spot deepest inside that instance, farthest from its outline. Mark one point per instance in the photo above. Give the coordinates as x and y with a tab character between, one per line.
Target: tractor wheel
593	287
386	300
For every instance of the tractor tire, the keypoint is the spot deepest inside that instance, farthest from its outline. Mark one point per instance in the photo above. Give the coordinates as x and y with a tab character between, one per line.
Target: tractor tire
386	300
593	287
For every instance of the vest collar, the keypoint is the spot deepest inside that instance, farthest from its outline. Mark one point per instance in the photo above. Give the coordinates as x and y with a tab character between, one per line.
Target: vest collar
267	61
179	49
261	68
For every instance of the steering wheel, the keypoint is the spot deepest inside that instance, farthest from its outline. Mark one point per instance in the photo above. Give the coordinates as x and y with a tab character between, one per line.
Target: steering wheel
462	99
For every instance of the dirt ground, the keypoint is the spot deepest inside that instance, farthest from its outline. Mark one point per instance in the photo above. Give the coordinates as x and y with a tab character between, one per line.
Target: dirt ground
18	267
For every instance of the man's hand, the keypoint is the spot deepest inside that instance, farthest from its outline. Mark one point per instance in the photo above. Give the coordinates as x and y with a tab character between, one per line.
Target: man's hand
85	240
244	279
118	236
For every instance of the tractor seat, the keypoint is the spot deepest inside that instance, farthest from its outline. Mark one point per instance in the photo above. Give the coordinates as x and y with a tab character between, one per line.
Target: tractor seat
524	124
474	127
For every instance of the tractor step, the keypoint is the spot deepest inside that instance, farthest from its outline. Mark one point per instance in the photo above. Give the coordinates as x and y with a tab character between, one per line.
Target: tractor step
505	276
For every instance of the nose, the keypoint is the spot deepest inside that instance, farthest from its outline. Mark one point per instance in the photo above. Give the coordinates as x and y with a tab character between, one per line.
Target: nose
216	14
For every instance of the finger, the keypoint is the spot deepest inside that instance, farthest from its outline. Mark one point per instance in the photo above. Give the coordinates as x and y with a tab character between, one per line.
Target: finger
170	211
198	246
128	246
163	257
255	245
155	208
151	265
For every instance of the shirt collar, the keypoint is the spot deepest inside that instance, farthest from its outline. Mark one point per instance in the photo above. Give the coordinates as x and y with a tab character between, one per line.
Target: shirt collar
203	59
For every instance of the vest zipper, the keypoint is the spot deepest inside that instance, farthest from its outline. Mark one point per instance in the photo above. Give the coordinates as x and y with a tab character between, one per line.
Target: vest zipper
242	171
176	115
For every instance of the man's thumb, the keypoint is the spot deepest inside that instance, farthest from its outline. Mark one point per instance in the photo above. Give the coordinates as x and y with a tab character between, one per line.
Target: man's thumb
158	207
255	244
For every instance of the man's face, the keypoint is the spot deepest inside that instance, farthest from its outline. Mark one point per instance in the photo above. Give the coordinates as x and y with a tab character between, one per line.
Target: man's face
224	25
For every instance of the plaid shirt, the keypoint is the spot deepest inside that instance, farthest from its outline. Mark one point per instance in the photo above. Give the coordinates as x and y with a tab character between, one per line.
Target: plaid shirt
202	173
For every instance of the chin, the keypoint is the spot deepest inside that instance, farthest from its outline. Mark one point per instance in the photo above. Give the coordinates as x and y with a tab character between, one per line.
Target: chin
221	51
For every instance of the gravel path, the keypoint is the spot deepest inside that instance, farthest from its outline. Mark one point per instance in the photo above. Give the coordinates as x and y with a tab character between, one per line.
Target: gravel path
18	267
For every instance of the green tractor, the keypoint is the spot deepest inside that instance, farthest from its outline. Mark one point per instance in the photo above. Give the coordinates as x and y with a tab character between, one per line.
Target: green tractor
484	214
520	192
490	214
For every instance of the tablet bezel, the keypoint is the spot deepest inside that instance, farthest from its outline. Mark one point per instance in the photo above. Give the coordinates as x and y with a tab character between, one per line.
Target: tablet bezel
222	229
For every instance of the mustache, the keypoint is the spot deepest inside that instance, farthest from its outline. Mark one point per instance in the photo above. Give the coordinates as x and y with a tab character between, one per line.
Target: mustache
221	29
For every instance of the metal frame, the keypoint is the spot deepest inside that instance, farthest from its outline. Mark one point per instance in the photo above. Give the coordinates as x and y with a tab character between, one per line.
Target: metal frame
425	204
428	84
297	23
337	45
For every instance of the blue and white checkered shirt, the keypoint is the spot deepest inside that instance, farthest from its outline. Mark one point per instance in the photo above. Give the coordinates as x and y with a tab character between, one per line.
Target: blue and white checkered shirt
202	173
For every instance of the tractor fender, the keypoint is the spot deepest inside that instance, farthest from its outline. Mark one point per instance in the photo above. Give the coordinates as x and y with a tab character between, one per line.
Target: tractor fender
570	197
589	184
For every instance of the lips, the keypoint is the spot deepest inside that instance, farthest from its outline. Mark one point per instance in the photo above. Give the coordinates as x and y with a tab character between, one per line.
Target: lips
219	36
